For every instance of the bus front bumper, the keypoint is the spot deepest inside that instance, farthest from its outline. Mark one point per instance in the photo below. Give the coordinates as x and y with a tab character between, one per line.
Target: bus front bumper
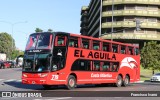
34	81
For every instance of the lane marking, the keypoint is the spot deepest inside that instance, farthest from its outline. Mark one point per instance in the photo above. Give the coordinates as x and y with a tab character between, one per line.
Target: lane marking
1	79
10	80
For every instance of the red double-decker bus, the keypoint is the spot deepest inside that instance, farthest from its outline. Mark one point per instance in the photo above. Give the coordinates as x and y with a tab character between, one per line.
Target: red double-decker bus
69	59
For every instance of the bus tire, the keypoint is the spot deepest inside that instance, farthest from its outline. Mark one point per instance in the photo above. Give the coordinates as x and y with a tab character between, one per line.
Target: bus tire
47	86
119	81
126	81
71	83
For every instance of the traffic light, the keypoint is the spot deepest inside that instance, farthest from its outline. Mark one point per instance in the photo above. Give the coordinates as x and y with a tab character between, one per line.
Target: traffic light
138	26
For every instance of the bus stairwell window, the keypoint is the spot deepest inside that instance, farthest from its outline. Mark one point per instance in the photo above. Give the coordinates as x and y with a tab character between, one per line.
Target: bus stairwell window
60	42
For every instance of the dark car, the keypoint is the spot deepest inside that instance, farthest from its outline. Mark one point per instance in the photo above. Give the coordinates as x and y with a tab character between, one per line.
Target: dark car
12	64
4	64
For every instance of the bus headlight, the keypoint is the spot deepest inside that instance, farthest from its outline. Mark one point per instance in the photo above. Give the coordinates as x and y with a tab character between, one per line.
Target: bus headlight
43	75
24	75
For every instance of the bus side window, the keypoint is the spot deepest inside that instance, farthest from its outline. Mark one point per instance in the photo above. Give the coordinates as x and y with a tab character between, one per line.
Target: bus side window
81	65
136	51
105	46
73	42
105	66
96	65
130	50
96	45
114	67
60	40
85	43
123	50
115	48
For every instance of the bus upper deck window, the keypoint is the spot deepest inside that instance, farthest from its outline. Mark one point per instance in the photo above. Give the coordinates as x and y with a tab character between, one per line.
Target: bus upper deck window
60	41
105	46
123	50
96	45
73	42
85	43
130	50
136	50
115	48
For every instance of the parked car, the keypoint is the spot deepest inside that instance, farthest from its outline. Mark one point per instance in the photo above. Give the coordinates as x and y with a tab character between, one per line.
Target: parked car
155	78
1	65
4	64
12	64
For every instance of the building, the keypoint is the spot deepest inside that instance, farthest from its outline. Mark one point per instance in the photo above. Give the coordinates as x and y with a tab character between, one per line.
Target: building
103	17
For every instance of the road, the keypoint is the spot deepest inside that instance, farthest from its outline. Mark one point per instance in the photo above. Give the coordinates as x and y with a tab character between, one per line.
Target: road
10	80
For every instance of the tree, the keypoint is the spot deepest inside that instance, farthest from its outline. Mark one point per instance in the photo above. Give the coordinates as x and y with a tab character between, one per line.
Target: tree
38	30
50	30
6	44
150	56
16	53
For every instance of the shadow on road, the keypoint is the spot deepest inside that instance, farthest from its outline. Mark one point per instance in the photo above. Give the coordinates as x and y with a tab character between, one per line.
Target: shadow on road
62	87
23	86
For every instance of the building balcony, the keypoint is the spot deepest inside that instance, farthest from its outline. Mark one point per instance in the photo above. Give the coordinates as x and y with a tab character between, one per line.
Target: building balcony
84	22
142	36
131	12
120	24
83	9
147	2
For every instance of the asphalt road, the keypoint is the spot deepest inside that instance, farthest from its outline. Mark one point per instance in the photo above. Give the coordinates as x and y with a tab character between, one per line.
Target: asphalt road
10	80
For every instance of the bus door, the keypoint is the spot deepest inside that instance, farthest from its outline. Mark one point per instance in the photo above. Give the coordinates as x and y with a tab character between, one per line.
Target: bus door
59	56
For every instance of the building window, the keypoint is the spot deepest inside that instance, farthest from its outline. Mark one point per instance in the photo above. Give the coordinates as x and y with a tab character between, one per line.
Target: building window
153	20
152	8
129	7
140	7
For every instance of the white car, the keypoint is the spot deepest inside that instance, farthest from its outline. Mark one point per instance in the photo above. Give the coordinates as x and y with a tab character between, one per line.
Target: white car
155	78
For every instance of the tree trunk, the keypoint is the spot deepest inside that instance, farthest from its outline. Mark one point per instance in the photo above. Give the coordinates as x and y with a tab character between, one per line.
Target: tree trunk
153	72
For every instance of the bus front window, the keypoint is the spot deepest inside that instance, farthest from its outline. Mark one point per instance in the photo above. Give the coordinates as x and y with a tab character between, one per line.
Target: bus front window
39	41
38	63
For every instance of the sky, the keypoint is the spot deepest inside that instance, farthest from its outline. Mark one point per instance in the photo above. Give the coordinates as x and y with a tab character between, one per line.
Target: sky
27	15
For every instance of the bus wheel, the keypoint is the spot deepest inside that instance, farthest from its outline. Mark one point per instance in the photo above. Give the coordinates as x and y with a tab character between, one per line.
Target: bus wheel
126	81
71	84
119	81
47	86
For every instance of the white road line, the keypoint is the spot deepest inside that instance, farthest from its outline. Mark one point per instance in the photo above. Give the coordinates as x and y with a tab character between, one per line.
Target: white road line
10	80
18	80
1	79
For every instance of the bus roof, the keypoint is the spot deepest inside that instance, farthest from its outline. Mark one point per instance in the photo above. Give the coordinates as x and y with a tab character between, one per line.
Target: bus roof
87	37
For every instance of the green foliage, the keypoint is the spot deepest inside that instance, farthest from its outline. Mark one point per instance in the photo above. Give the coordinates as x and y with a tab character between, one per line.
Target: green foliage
50	30
150	56
38	30
6	44
16	53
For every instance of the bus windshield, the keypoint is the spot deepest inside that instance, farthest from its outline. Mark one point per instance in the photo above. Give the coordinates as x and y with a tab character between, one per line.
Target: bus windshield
39	41
37	63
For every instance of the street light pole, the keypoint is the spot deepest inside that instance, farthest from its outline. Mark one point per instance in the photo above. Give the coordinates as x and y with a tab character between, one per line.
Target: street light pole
12	26
100	20
112	19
